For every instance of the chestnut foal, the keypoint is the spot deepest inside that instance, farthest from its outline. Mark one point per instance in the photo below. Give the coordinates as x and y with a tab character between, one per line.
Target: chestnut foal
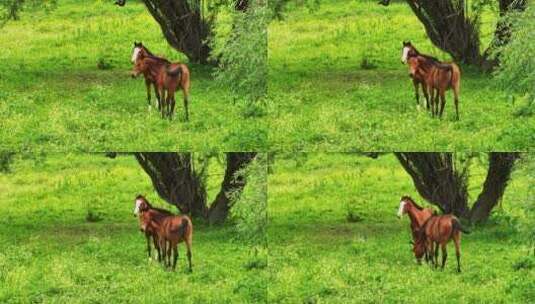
418	216
439	230
149	231
170	230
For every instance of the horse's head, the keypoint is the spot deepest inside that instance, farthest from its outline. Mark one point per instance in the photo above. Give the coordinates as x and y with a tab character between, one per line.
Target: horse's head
137	51
406	51
419	247
139	67
141	205
403	203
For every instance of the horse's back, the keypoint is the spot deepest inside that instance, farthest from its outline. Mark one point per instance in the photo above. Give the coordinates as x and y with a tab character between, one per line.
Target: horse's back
439	227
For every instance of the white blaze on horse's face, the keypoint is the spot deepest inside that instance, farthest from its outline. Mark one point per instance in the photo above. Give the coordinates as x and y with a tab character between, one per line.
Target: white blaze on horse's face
401	208
135	53
404	54
136	209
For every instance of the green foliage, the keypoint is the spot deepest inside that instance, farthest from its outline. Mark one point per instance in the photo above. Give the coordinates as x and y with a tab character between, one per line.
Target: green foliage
317	256
243	54
250	209
50	252
516	73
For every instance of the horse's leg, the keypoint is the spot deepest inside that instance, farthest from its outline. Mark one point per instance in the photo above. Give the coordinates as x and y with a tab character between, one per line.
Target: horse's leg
188	246
416	93
147	84
437	102
444	254
426	95
456	100
442	102
186	104
169	252
172	110
436	254
431	253
163	97
457	242
147	236
434	97
157	246
157	97
163	249
175	255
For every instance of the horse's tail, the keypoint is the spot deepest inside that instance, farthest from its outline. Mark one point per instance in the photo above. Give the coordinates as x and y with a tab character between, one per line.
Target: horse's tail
174	71
457	226
183	228
455	77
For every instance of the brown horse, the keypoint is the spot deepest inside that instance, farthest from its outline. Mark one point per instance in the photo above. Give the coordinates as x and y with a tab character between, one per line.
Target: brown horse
439	230
418	215
142	202
417	79
437	77
170	230
166	77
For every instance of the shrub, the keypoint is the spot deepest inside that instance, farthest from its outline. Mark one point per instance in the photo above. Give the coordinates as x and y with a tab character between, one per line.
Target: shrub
516	73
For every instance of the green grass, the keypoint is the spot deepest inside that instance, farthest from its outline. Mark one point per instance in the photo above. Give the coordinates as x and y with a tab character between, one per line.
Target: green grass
53	96
323	100
318	256
51	254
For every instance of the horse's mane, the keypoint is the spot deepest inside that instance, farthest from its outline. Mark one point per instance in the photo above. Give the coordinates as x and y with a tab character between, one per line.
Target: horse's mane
151	55
152	207
428	57
406	197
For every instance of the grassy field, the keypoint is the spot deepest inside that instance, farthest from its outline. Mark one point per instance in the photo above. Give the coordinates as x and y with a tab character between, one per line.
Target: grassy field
50	253
53	96
318	255
324	99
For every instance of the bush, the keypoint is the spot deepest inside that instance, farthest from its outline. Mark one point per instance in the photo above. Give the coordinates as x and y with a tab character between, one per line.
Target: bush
516	73
250	210
242	53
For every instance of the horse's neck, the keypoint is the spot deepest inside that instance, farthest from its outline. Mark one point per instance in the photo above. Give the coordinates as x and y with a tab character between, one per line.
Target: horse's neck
415	216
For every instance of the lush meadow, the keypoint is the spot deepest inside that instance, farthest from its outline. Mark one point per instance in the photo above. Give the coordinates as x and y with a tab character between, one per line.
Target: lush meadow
68	235
337	84
334	237
65	85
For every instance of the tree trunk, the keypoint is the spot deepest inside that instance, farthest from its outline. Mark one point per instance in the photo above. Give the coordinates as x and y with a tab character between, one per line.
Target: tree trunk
498	175
449	28
231	187
437	181
175	181
443	182
183	26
